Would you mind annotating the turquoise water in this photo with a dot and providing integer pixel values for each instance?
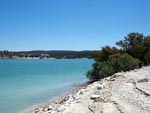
(24, 83)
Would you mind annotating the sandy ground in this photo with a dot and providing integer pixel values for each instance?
(124, 92)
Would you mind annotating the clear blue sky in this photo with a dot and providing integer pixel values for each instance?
(70, 24)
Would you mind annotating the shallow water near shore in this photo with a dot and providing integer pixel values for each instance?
(25, 83)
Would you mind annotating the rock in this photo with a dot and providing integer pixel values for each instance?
(112, 79)
(108, 78)
(36, 111)
(45, 109)
(80, 92)
(142, 80)
(104, 85)
(50, 108)
(77, 98)
(70, 99)
(110, 108)
(117, 74)
(61, 109)
(144, 88)
(94, 97)
(77, 101)
(135, 70)
(99, 87)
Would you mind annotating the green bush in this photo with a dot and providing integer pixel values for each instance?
(147, 58)
(94, 73)
(106, 69)
(115, 63)
(123, 62)
(101, 70)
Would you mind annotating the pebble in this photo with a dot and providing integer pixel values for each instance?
(94, 97)
(99, 87)
(50, 108)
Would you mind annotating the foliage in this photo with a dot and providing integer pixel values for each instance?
(106, 69)
(147, 50)
(115, 63)
(137, 45)
(96, 55)
(147, 58)
(103, 55)
(134, 51)
(123, 62)
(94, 73)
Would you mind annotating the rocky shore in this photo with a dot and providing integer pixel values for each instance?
(124, 92)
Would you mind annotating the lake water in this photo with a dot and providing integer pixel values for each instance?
(25, 83)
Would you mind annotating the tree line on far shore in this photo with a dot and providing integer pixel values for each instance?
(133, 52)
(41, 54)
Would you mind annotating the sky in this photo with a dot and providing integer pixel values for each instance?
(70, 24)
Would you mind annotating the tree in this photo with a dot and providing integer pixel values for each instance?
(134, 51)
(96, 55)
(137, 45)
(104, 54)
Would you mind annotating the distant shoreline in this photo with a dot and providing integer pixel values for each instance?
(42, 58)
(58, 54)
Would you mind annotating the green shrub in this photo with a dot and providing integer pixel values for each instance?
(147, 58)
(94, 73)
(106, 69)
(124, 62)
(115, 63)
